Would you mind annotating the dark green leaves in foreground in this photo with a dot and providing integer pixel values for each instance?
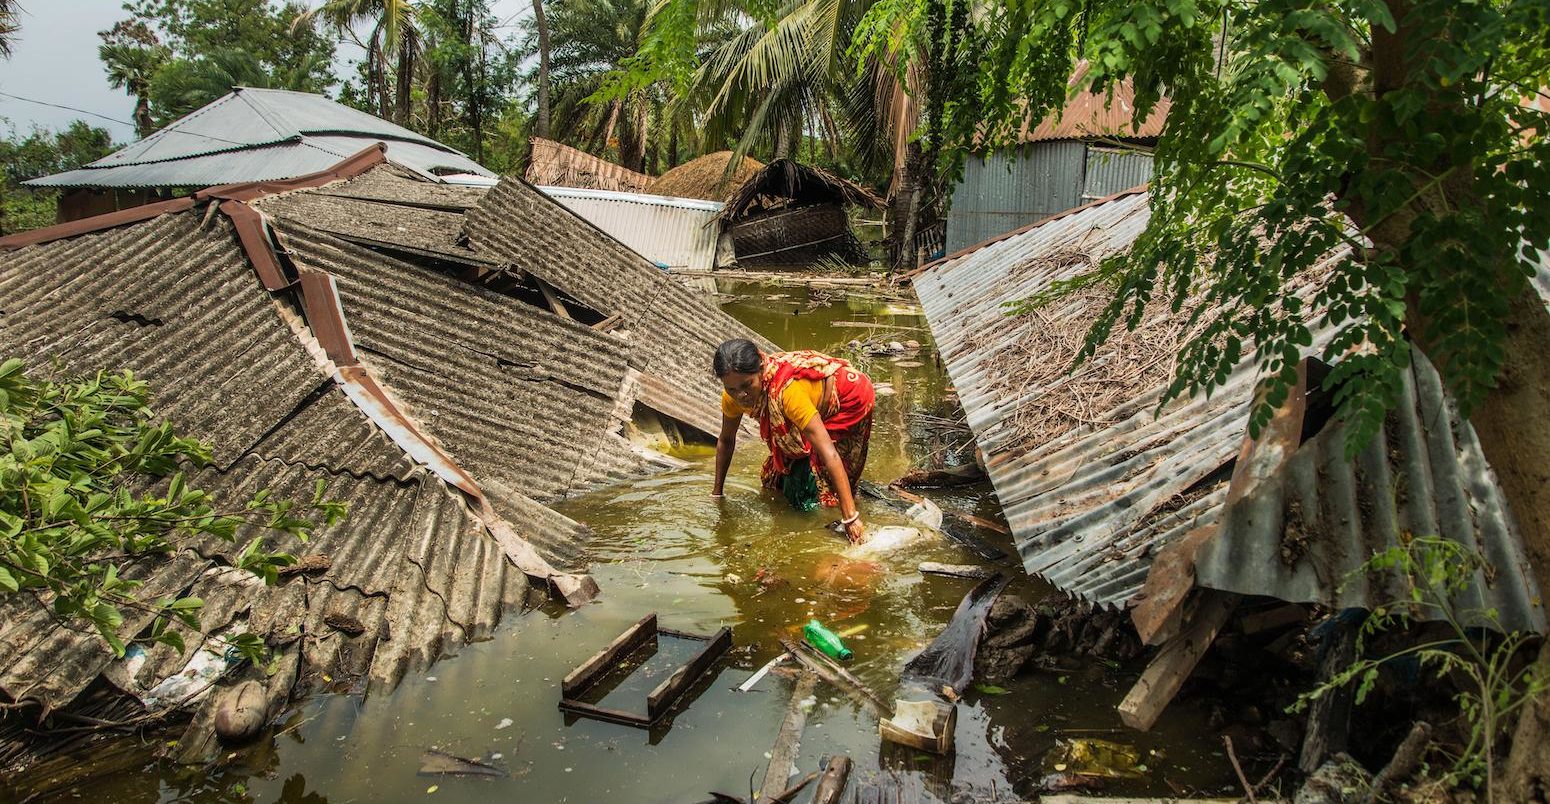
(93, 497)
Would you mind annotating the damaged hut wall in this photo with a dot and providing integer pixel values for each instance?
(1003, 191)
(1303, 534)
(670, 330)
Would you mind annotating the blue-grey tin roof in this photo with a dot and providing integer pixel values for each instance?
(261, 135)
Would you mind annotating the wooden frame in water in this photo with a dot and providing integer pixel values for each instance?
(616, 656)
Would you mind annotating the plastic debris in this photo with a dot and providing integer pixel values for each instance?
(1098, 758)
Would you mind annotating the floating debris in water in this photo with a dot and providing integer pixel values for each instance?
(505, 723)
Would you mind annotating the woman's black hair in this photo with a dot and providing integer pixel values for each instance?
(737, 355)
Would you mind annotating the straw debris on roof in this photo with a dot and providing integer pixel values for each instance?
(706, 177)
(559, 165)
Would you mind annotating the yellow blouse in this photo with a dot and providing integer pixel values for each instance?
(801, 399)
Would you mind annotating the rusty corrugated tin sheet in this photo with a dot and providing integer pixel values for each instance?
(1305, 528)
(1092, 499)
(671, 329)
(1097, 114)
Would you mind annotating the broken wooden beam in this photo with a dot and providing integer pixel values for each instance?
(1329, 716)
(669, 691)
(552, 298)
(831, 783)
(1176, 660)
(838, 676)
(788, 742)
(955, 570)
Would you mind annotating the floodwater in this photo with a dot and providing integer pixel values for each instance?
(747, 562)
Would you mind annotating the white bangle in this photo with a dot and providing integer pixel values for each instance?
(851, 518)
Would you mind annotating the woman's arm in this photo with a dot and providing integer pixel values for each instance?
(839, 481)
(726, 444)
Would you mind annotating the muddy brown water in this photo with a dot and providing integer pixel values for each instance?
(746, 562)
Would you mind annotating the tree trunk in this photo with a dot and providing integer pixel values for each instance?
(433, 100)
(904, 208)
(144, 125)
(403, 95)
(375, 80)
(541, 125)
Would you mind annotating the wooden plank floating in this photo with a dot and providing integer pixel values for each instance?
(661, 699)
(636, 635)
(955, 570)
(666, 693)
(788, 742)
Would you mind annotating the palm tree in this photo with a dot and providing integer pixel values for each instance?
(541, 125)
(392, 29)
(10, 23)
(133, 55)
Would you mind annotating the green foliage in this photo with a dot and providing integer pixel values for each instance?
(175, 56)
(40, 153)
(1296, 128)
(1493, 678)
(92, 490)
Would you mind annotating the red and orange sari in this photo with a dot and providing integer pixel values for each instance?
(845, 407)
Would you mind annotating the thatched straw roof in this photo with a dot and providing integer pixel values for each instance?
(559, 165)
(784, 183)
(705, 177)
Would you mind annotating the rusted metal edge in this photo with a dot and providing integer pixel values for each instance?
(352, 166)
(325, 315)
(96, 223)
(254, 234)
(909, 276)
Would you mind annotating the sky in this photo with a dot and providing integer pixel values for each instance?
(54, 60)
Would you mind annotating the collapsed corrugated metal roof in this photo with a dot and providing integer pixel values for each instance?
(1307, 519)
(671, 329)
(436, 393)
(1095, 479)
(256, 134)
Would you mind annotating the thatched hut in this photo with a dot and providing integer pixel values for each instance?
(706, 177)
(790, 214)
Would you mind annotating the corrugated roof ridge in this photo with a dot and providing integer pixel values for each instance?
(264, 113)
(967, 250)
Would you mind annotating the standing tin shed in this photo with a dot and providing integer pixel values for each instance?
(1084, 154)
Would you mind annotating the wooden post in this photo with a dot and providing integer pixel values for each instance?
(1329, 717)
(1176, 660)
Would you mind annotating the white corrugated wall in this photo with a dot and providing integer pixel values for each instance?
(675, 232)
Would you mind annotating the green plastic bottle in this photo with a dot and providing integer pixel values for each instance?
(825, 641)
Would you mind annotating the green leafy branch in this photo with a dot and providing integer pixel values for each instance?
(1494, 681)
(93, 497)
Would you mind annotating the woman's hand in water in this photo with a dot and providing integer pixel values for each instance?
(855, 531)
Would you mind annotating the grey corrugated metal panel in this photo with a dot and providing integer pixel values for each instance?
(176, 302)
(329, 433)
(1090, 492)
(1002, 191)
(428, 160)
(563, 539)
(524, 396)
(283, 160)
(417, 228)
(397, 185)
(675, 235)
(671, 328)
(50, 663)
(1110, 171)
(1423, 475)
(248, 117)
